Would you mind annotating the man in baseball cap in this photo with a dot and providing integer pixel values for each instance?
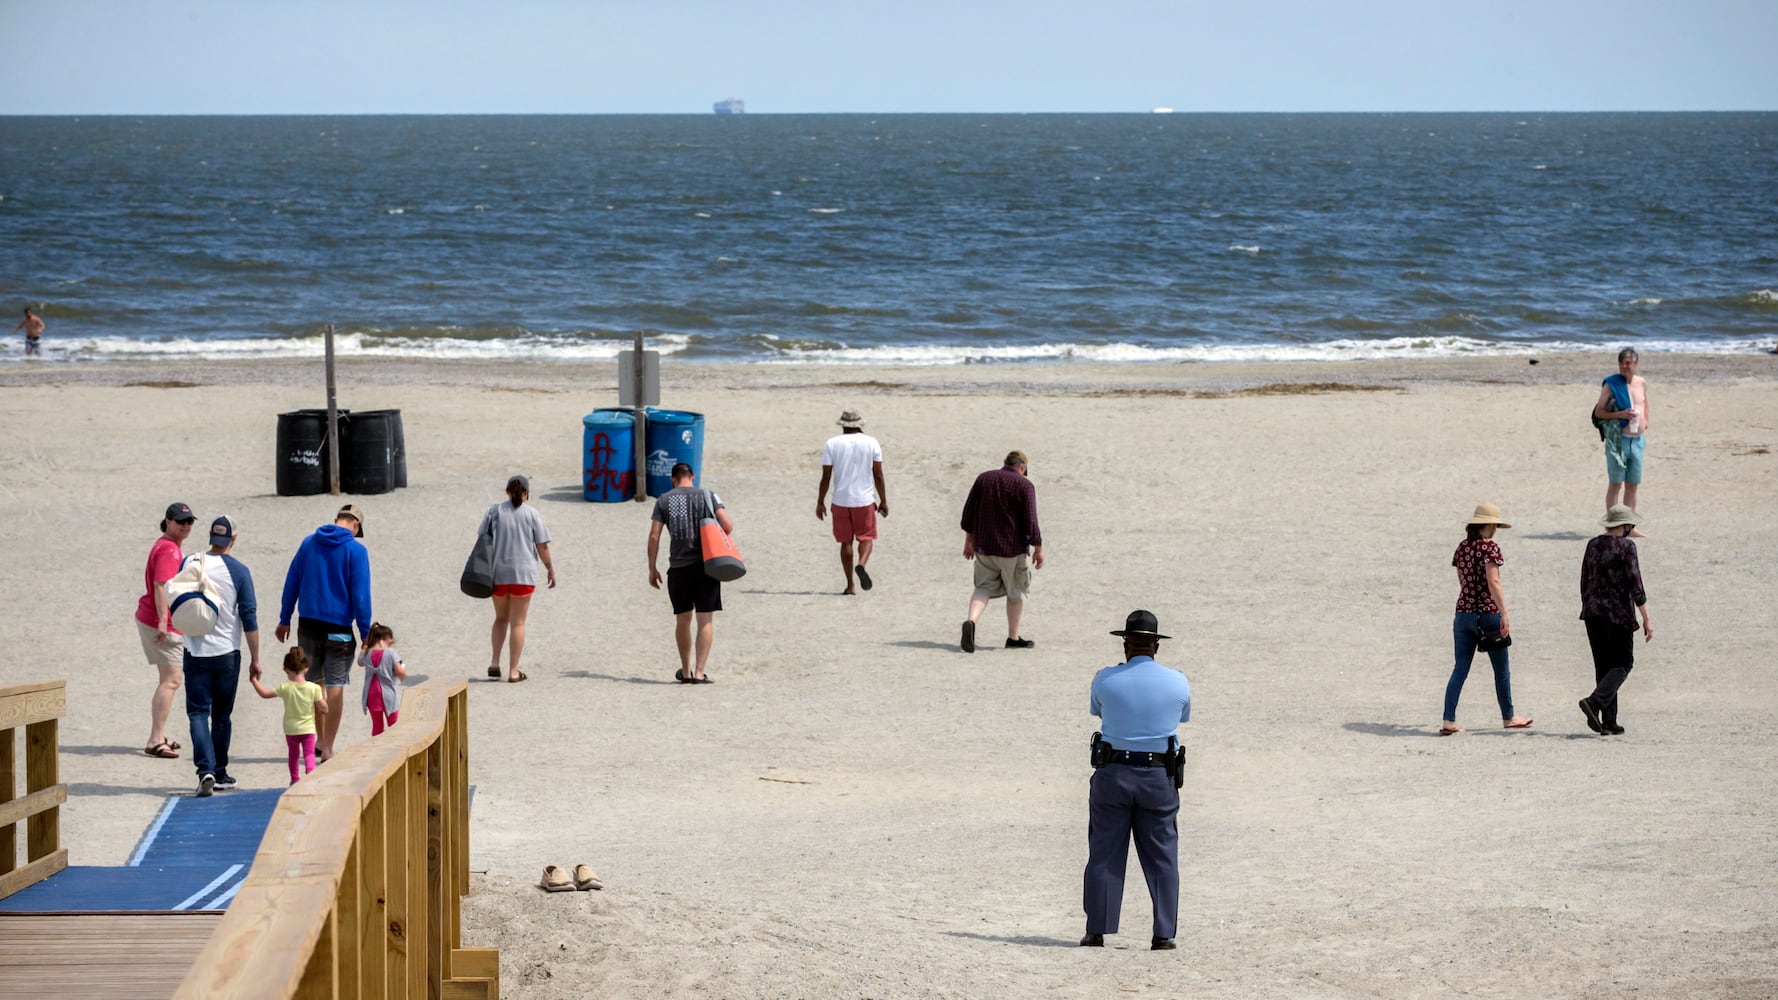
(329, 581)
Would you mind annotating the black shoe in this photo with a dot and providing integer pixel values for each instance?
(206, 782)
(225, 782)
(863, 578)
(1162, 944)
(968, 642)
(1592, 713)
(1093, 941)
(1612, 727)
(1012, 643)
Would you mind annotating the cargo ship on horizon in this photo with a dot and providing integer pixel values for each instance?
(731, 106)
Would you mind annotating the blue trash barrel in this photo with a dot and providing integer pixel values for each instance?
(674, 436)
(608, 456)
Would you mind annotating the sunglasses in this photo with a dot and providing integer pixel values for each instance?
(187, 520)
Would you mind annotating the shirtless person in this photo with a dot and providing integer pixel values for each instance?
(33, 327)
(1623, 406)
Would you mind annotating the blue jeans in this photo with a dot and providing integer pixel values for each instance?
(1466, 631)
(210, 684)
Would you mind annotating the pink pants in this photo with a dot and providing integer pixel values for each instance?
(301, 747)
(381, 720)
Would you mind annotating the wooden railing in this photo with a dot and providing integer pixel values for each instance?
(35, 708)
(357, 887)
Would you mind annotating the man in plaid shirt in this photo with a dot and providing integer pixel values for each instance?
(1000, 533)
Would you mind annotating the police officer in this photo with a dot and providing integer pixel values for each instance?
(1138, 765)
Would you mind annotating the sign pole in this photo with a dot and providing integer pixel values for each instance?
(640, 425)
(333, 423)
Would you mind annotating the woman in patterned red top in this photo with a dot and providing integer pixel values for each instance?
(1611, 596)
(1481, 607)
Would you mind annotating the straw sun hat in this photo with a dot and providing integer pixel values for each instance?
(1619, 516)
(1487, 513)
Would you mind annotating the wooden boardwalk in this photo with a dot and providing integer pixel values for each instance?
(100, 955)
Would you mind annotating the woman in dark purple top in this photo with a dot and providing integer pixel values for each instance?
(1611, 596)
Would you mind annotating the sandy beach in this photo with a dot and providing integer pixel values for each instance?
(857, 809)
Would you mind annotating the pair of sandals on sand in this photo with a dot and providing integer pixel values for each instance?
(1516, 722)
(494, 674)
(684, 678)
(165, 748)
(557, 880)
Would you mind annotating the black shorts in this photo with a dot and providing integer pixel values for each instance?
(691, 590)
(330, 660)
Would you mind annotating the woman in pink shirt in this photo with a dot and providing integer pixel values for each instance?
(163, 645)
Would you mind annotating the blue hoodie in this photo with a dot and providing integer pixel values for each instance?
(330, 577)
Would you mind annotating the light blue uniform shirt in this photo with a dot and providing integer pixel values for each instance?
(1141, 704)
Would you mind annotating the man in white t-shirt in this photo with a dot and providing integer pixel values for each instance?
(852, 461)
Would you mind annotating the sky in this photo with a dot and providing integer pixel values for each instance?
(69, 57)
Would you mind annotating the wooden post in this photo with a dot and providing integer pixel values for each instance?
(640, 425)
(9, 836)
(333, 423)
(43, 832)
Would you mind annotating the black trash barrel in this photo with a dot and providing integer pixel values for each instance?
(366, 453)
(302, 452)
(397, 445)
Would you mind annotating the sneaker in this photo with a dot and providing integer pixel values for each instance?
(1612, 727)
(1012, 643)
(968, 642)
(224, 781)
(206, 783)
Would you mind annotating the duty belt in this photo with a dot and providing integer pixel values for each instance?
(1138, 758)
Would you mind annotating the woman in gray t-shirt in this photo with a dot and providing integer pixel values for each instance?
(520, 542)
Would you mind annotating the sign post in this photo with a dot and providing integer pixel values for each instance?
(639, 385)
(333, 423)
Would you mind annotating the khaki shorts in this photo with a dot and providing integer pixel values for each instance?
(1003, 576)
(162, 654)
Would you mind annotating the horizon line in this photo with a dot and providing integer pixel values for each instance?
(1159, 111)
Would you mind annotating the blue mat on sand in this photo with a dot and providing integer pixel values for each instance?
(194, 856)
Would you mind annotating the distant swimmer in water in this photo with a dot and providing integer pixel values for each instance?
(33, 327)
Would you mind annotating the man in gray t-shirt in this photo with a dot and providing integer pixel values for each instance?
(681, 510)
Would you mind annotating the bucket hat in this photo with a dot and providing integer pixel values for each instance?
(1141, 623)
(1619, 516)
(1487, 513)
(850, 418)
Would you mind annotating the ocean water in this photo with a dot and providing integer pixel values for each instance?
(893, 239)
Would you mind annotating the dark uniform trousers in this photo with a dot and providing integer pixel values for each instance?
(1125, 802)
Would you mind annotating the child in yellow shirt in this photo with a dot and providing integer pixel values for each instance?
(302, 700)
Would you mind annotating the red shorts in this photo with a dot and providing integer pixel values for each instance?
(854, 522)
(513, 590)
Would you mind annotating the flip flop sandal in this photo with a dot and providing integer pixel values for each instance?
(494, 672)
(703, 680)
(161, 749)
(515, 678)
(679, 675)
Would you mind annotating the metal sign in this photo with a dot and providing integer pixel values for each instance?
(627, 378)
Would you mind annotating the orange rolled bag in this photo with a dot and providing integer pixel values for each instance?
(722, 561)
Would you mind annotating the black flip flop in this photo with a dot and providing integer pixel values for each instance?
(494, 672)
(863, 578)
(702, 680)
(679, 675)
